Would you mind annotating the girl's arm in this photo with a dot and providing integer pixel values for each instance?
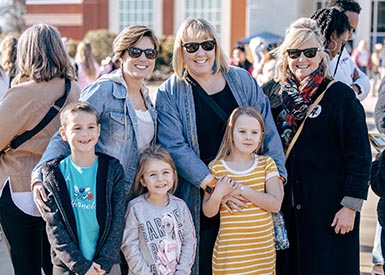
(211, 203)
(271, 200)
(189, 242)
(109, 254)
(131, 245)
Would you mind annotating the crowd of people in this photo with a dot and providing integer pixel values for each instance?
(189, 184)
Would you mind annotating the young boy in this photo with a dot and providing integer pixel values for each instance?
(86, 198)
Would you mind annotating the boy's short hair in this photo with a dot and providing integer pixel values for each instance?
(77, 106)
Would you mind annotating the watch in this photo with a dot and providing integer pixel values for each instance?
(211, 185)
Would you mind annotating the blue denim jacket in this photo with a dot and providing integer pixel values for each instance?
(118, 121)
(178, 134)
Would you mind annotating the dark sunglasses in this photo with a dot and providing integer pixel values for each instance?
(192, 47)
(136, 52)
(309, 52)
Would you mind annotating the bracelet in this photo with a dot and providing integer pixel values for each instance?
(211, 185)
(242, 188)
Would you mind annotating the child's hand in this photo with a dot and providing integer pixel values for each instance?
(99, 269)
(224, 186)
(94, 270)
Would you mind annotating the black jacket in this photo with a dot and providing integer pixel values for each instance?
(377, 182)
(61, 224)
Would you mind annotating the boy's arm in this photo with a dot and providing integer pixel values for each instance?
(131, 247)
(61, 242)
(109, 254)
(189, 243)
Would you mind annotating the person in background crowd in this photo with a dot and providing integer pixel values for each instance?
(126, 114)
(379, 239)
(267, 68)
(378, 186)
(342, 67)
(174, 251)
(362, 56)
(375, 69)
(381, 56)
(87, 189)
(8, 47)
(4, 83)
(193, 106)
(43, 67)
(109, 65)
(329, 163)
(239, 59)
(88, 68)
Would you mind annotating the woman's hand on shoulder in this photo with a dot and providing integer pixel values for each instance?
(40, 197)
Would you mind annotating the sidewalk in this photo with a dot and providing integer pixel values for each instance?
(369, 213)
(368, 216)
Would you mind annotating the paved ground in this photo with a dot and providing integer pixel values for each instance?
(368, 216)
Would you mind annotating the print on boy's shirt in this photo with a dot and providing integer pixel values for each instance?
(83, 197)
(165, 240)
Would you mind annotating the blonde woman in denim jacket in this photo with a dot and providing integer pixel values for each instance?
(191, 131)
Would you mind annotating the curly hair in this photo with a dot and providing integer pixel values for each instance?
(346, 5)
(8, 55)
(331, 20)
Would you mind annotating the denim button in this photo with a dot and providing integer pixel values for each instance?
(298, 207)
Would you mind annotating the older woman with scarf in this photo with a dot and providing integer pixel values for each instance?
(323, 130)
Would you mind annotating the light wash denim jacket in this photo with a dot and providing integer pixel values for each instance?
(177, 131)
(118, 121)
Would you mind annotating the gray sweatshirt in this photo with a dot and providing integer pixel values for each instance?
(159, 240)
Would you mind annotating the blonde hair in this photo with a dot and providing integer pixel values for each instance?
(227, 145)
(77, 106)
(129, 36)
(196, 28)
(155, 152)
(41, 55)
(8, 48)
(298, 33)
(85, 58)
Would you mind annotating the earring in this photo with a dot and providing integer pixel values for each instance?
(335, 45)
(183, 72)
(214, 67)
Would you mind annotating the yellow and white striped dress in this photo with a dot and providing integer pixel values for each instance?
(245, 241)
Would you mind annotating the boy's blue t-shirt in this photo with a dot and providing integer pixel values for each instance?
(81, 184)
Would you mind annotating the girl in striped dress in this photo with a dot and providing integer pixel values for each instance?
(245, 241)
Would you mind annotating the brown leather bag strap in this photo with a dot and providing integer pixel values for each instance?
(308, 112)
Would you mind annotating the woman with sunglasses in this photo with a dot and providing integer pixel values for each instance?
(126, 114)
(328, 162)
(193, 106)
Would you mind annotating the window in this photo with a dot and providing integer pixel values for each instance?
(209, 10)
(378, 22)
(136, 12)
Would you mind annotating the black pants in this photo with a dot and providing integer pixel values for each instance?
(208, 235)
(27, 238)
